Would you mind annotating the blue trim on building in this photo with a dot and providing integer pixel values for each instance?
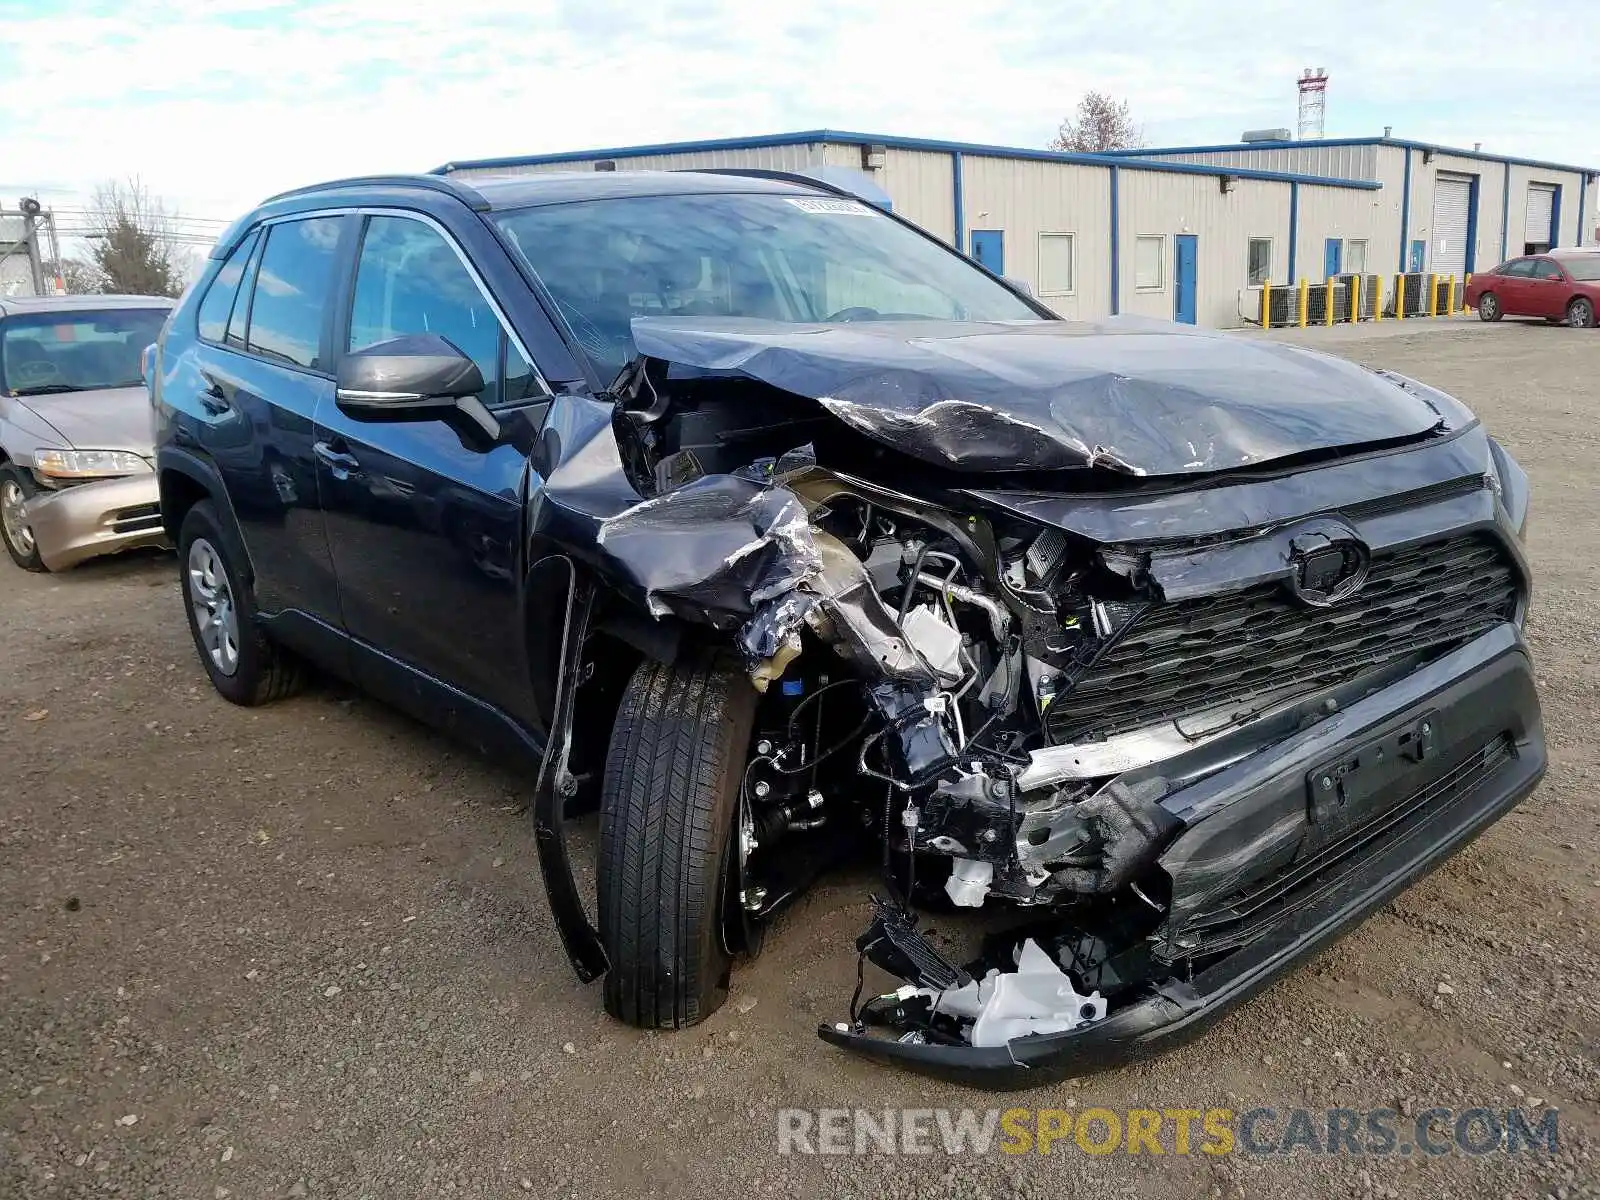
(1405, 209)
(845, 138)
(1583, 198)
(1116, 242)
(1356, 141)
(958, 194)
(1505, 216)
(1555, 218)
(1294, 227)
(1472, 224)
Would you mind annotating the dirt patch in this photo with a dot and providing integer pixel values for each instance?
(307, 949)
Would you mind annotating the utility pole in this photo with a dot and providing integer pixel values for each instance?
(30, 236)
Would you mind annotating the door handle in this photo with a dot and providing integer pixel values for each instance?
(341, 462)
(213, 399)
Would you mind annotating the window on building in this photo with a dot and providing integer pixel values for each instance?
(1057, 263)
(1355, 256)
(291, 291)
(1149, 264)
(1260, 261)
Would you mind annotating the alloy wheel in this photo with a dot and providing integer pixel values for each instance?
(1580, 315)
(211, 601)
(13, 514)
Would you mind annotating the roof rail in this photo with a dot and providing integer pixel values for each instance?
(462, 191)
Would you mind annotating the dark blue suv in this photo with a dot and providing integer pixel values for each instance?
(779, 532)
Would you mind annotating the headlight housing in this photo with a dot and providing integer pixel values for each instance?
(1512, 484)
(57, 467)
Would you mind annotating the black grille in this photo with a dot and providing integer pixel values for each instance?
(1239, 918)
(1197, 655)
(137, 518)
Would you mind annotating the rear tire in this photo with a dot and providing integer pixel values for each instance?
(1489, 307)
(245, 666)
(1580, 313)
(16, 489)
(676, 761)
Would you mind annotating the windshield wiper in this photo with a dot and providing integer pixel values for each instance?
(43, 389)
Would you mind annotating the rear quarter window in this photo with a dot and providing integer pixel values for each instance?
(218, 301)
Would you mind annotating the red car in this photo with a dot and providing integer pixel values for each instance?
(1559, 285)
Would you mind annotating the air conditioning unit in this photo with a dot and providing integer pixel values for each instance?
(1266, 135)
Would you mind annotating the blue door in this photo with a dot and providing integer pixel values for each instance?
(989, 248)
(1419, 249)
(1332, 257)
(1188, 251)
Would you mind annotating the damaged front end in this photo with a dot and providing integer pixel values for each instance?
(1178, 736)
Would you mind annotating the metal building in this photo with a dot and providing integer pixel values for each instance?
(1441, 209)
(1187, 235)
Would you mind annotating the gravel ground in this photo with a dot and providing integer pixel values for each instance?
(304, 951)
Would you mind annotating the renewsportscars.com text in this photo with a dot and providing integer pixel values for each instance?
(1179, 1131)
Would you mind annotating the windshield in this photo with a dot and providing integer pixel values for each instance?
(783, 258)
(1585, 269)
(77, 351)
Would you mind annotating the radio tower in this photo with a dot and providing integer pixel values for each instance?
(1313, 102)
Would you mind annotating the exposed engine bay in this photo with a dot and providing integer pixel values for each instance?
(1013, 697)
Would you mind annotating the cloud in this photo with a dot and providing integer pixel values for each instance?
(218, 105)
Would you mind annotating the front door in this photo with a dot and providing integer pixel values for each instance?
(1546, 289)
(1332, 257)
(989, 248)
(424, 518)
(1419, 252)
(1186, 258)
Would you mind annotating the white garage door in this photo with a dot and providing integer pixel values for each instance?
(1541, 207)
(1452, 211)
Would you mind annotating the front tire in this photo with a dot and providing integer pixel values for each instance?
(244, 665)
(1580, 313)
(16, 489)
(1489, 307)
(673, 772)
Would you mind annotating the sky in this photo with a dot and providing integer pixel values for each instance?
(216, 105)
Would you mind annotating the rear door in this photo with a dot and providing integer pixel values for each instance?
(260, 366)
(1547, 289)
(1512, 287)
(424, 519)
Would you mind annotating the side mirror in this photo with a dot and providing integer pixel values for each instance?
(419, 377)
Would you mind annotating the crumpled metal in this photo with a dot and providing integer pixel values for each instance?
(1134, 396)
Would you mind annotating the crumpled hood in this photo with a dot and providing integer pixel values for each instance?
(1137, 396)
(107, 419)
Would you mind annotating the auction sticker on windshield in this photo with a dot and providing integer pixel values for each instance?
(839, 208)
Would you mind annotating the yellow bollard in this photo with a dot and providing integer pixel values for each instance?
(1305, 295)
(1266, 305)
(1450, 299)
(1466, 281)
(1327, 317)
(1433, 295)
(1358, 284)
(1377, 308)
(1399, 297)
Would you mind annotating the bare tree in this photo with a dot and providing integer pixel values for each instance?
(132, 249)
(1100, 123)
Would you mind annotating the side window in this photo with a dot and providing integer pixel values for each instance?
(241, 306)
(291, 292)
(1543, 268)
(1520, 269)
(521, 382)
(409, 279)
(218, 301)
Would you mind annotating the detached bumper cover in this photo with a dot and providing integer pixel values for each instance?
(91, 519)
(1272, 867)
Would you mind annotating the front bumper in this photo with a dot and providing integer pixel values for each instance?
(1259, 811)
(91, 519)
